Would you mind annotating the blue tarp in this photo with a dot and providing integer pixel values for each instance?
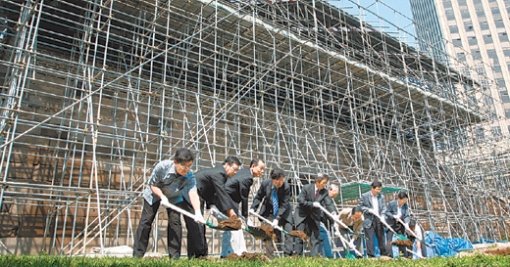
(445, 247)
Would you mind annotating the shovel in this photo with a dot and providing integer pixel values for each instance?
(344, 241)
(277, 227)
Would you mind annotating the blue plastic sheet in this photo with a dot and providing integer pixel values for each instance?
(445, 247)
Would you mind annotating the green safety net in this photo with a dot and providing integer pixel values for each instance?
(353, 191)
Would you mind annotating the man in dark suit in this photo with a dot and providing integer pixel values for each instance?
(397, 209)
(327, 224)
(274, 196)
(238, 188)
(308, 213)
(211, 189)
(372, 204)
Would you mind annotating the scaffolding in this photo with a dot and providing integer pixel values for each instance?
(94, 93)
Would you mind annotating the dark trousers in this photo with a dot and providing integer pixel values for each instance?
(197, 244)
(289, 241)
(376, 229)
(199, 248)
(399, 228)
(174, 230)
(311, 228)
(144, 228)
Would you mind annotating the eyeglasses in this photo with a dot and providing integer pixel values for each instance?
(235, 168)
(186, 165)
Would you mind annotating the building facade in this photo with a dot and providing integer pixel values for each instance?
(429, 35)
(476, 34)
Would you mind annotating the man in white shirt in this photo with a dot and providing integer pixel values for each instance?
(418, 239)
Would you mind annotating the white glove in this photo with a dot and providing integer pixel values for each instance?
(275, 223)
(165, 202)
(199, 218)
(249, 222)
(396, 217)
(316, 204)
(372, 211)
(213, 207)
(351, 243)
(250, 211)
(337, 231)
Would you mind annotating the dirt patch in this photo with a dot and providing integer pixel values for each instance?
(254, 256)
(257, 233)
(403, 243)
(497, 251)
(230, 224)
(268, 230)
(232, 256)
(248, 256)
(299, 234)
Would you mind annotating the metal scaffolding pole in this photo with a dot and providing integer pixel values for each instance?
(95, 93)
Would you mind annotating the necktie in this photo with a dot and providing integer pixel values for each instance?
(317, 194)
(274, 198)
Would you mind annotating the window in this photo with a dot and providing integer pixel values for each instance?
(506, 52)
(457, 42)
(484, 25)
(469, 27)
(479, 11)
(449, 14)
(500, 24)
(500, 83)
(504, 98)
(479, 134)
(496, 131)
(464, 13)
(476, 54)
(480, 69)
(507, 113)
(503, 95)
(495, 11)
(503, 37)
(461, 57)
(487, 39)
(491, 53)
(454, 29)
(472, 40)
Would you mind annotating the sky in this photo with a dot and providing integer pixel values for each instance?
(391, 16)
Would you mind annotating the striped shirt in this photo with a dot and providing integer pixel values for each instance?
(173, 185)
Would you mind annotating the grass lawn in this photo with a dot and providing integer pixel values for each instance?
(45, 261)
